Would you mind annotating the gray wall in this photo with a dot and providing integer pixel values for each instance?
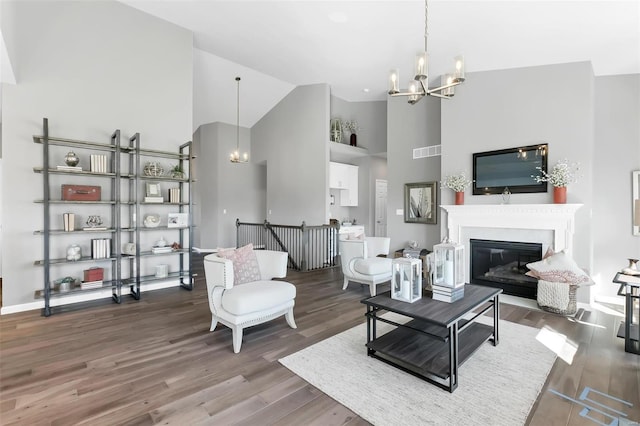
(524, 106)
(411, 127)
(293, 140)
(91, 68)
(227, 191)
(616, 155)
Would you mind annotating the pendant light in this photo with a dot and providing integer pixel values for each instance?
(235, 156)
(419, 85)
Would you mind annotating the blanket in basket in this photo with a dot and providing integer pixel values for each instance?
(553, 294)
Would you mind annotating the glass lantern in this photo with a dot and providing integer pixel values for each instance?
(406, 280)
(449, 264)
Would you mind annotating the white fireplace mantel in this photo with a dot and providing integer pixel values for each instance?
(559, 218)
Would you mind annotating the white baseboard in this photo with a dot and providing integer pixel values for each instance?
(78, 298)
(613, 300)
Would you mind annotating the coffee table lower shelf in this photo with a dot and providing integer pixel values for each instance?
(424, 355)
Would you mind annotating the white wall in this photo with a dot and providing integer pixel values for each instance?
(617, 154)
(525, 106)
(91, 68)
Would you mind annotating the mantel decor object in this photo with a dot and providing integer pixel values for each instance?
(457, 183)
(406, 281)
(560, 194)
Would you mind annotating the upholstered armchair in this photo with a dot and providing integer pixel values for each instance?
(360, 262)
(243, 305)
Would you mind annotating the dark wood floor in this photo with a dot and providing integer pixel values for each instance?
(155, 362)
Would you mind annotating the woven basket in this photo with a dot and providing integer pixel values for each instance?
(571, 308)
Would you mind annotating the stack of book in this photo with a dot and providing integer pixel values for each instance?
(154, 199)
(448, 294)
(69, 220)
(86, 285)
(100, 248)
(174, 195)
(158, 250)
(69, 168)
(98, 163)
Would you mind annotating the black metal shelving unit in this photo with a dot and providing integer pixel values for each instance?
(124, 201)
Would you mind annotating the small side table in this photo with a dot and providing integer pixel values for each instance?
(630, 330)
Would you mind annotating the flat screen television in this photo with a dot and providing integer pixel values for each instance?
(493, 171)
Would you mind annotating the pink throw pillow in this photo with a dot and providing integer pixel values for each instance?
(245, 264)
(548, 253)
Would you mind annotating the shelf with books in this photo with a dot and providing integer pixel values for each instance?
(119, 202)
(72, 185)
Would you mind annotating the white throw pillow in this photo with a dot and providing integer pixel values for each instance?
(559, 267)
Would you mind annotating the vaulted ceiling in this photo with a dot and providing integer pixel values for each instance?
(351, 45)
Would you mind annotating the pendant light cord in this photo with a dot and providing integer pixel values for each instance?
(238, 117)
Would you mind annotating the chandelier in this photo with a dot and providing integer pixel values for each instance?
(235, 155)
(419, 86)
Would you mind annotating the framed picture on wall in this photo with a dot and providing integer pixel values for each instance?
(421, 203)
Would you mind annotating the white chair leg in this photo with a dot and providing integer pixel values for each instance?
(214, 322)
(346, 283)
(289, 317)
(372, 288)
(237, 338)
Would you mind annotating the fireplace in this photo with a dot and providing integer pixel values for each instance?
(502, 264)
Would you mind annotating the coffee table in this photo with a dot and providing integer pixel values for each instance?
(438, 337)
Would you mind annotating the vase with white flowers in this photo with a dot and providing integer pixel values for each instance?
(561, 175)
(458, 183)
(352, 127)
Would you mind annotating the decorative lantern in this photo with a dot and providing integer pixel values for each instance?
(406, 280)
(449, 263)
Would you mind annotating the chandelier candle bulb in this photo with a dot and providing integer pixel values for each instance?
(447, 79)
(421, 65)
(459, 73)
(394, 76)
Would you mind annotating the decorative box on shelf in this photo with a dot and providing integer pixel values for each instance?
(406, 280)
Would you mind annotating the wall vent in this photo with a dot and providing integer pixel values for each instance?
(427, 151)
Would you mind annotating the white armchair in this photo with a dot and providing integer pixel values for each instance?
(244, 305)
(360, 264)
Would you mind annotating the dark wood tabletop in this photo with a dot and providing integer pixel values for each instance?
(440, 313)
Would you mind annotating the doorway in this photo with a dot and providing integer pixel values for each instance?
(381, 208)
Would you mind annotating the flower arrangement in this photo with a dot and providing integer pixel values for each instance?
(457, 183)
(351, 126)
(561, 175)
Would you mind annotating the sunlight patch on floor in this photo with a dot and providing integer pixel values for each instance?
(558, 343)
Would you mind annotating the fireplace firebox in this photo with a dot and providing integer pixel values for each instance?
(502, 264)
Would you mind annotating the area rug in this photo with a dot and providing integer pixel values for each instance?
(497, 385)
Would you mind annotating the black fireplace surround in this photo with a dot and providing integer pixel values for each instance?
(502, 264)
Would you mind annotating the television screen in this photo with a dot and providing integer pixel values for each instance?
(493, 171)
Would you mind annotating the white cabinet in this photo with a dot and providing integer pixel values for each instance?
(349, 197)
(338, 175)
(345, 178)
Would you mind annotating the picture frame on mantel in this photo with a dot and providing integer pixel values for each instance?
(421, 203)
(635, 203)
